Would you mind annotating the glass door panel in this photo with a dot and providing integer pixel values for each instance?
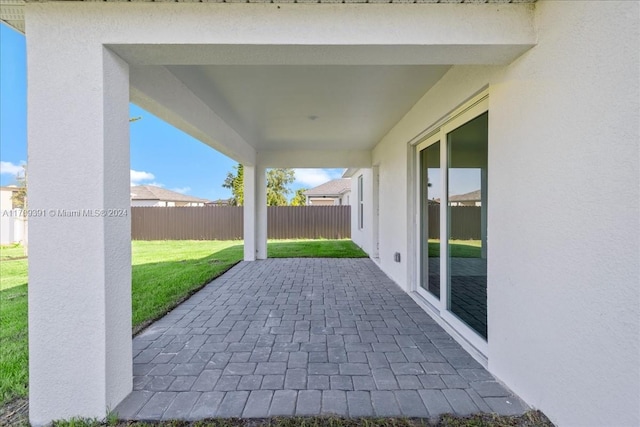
(467, 149)
(430, 184)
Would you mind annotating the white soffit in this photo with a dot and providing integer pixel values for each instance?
(12, 14)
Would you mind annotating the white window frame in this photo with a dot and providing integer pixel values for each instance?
(360, 202)
(432, 299)
(467, 112)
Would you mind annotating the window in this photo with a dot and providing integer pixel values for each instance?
(360, 203)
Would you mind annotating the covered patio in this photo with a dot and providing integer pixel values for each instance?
(367, 86)
(269, 85)
(305, 337)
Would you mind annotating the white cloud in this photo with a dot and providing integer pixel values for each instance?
(155, 184)
(139, 178)
(9, 168)
(181, 190)
(315, 177)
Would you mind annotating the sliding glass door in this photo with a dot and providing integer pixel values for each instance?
(466, 213)
(452, 183)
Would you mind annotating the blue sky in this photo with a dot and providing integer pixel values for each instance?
(160, 154)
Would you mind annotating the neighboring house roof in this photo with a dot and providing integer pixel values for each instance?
(151, 192)
(474, 196)
(219, 202)
(333, 188)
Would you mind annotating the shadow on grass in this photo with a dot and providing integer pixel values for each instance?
(159, 287)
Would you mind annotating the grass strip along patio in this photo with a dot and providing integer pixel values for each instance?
(530, 419)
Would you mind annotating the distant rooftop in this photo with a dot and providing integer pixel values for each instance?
(334, 187)
(473, 196)
(151, 192)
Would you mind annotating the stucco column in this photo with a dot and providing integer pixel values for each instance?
(249, 211)
(261, 210)
(80, 356)
(255, 213)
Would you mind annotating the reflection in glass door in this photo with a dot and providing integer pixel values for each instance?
(467, 149)
(430, 185)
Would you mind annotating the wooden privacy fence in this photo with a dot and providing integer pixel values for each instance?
(226, 222)
(464, 222)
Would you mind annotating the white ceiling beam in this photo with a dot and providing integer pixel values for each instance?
(158, 91)
(248, 33)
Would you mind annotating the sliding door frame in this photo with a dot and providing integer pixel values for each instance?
(439, 132)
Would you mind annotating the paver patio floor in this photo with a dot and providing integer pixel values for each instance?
(305, 337)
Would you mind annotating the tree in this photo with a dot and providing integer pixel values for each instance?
(278, 181)
(19, 197)
(235, 183)
(299, 199)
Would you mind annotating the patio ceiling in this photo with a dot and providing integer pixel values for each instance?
(296, 107)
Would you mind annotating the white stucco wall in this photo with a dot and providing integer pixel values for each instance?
(6, 221)
(342, 200)
(568, 275)
(319, 201)
(6, 201)
(346, 198)
(80, 354)
(564, 305)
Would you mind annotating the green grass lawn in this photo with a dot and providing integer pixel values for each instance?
(13, 323)
(13, 272)
(11, 252)
(457, 248)
(314, 249)
(164, 273)
(13, 340)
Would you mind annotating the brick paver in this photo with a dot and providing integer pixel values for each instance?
(305, 337)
